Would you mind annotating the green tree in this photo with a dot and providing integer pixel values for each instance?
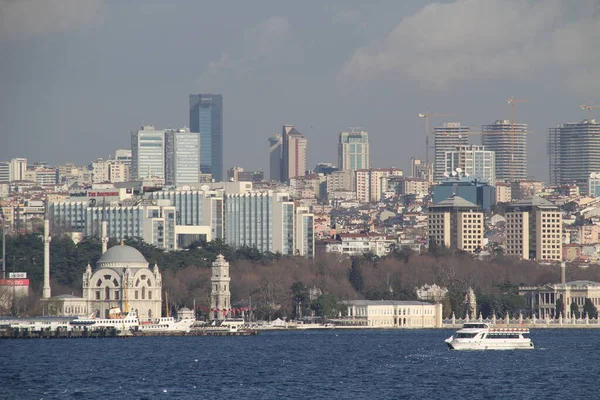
(560, 307)
(327, 306)
(355, 275)
(574, 310)
(300, 300)
(590, 309)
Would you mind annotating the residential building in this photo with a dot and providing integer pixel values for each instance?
(304, 235)
(123, 156)
(358, 244)
(182, 157)
(293, 153)
(340, 180)
(503, 192)
(353, 150)
(480, 193)
(118, 172)
(456, 223)
(525, 188)
(4, 172)
(275, 160)
(509, 143)
(392, 314)
(418, 169)
(474, 161)
(46, 176)
(18, 167)
(402, 186)
(534, 230)
(447, 138)
(148, 153)
(574, 150)
(206, 118)
(594, 184)
(237, 174)
(368, 183)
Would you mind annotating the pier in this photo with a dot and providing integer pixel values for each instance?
(113, 333)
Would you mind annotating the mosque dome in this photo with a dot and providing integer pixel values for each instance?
(122, 256)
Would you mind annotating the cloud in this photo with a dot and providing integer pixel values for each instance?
(344, 17)
(263, 45)
(26, 18)
(485, 39)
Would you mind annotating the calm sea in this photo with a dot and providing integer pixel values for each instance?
(339, 364)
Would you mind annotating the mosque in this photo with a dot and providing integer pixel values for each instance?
(122, 279)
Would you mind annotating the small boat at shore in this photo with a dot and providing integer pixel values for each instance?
(481, 336)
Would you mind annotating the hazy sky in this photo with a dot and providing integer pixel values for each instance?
(77, 76)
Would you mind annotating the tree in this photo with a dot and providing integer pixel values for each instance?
(574, 310)
(301, 300)
(560, 307)
(355, 276)
(327, 306)
(590, 309)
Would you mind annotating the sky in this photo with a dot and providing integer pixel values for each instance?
(77, 76)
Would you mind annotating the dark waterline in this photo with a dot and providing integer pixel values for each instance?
(347, 364)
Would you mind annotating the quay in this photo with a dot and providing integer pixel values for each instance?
(113, 333)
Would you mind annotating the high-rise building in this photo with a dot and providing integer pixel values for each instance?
(353, 150)
(456, 223)
(206, 118)
(574, 151)
(475, 161)
(368, 182)
(4, 172)
(148, 153)
(509, 143)
(447, 138)
(275, 153)
(534, 229)
(293, 153)
(182, 157)
(418, 169)
(18, 167)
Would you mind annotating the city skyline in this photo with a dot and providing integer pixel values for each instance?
(98, 50)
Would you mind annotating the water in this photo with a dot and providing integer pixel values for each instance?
(346, 364)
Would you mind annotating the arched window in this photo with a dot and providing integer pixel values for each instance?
(99, 282)
(149, 314)
(107, 293)
(143, 292)
(149, 294)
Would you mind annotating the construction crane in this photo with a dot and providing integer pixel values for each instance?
(427, 115)
(589, 107)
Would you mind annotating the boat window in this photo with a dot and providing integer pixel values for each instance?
(465, 335)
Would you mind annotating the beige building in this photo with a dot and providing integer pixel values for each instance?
(526, 188)
(503, 193)
(588, 234)
(541, 300)
(393, 314)
(456, 223)
(534, 230)
(293, 154)
(369, 185)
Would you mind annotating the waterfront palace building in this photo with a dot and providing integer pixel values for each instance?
(122, 279)
(392, 314)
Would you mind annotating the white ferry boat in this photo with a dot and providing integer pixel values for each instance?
(480, 336)
(166, 324)
(116, 320)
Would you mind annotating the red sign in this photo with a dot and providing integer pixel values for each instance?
(14, 282)
(102, 194)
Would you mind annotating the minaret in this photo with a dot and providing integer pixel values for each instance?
(104, 236)
(220, 296)
(46, 290)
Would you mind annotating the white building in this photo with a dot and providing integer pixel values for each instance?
(18, 168)
(447, 138)
(275, 143)
(369, 183)
(353, 150)
(475, 161)
(122, 279)
(358, 244)
(148, 153)
(4, 172)
(393, 314)
(182, 160)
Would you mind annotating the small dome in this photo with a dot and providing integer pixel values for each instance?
(122, 255)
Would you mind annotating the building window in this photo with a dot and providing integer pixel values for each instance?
(97, 295)
(107, 293)
(136, 294)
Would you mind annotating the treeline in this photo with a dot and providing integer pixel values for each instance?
(288, 287)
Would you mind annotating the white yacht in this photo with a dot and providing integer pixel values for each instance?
(480, 336)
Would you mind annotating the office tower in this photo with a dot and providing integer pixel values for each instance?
(304, 238)
(353, 150)
(182, 157)
(293, 153)
(474, 161)
(510, 148)
(123, 156)
(447, 138)
(206, 118)
(456, 223)
(46, 176)
(147, 153)
(275, 160)
(534, 230)
(18, 167)
(574, 151)
(4, 172)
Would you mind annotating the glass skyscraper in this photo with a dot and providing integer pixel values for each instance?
(206, 118)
